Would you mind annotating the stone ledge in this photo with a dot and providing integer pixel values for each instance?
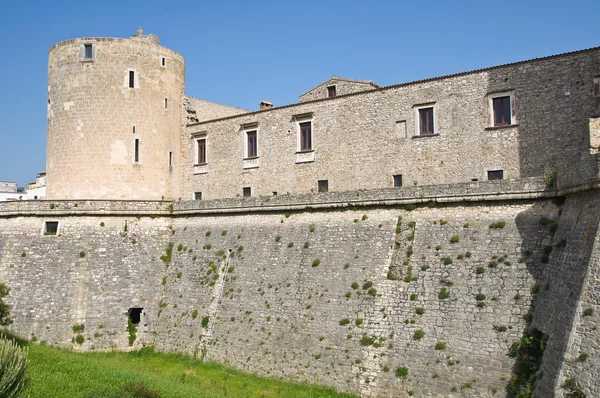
(526, 188)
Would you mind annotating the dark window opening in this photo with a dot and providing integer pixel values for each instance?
(163, 61)
(197, 195)
(131, 79)
(88, 51)
(252, 144)
(398, 180)
(306, 136)
(201, 151)
(426, 121)
(166, 103)
(133, 129)
(323, 186)
(274, 193)
(247, 192)
(495, 174)
(135, 315)
(51, 228)
(136, 156)
(501, 107)
(331, 91)
(170, 159)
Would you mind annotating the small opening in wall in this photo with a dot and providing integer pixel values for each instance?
(131, 79)
(274, 193)
(197, 195)
(331, 91)
(170, 159)
(88, 51)
(474, 179)
(133, 130)
(323, 186)
(495, 175)
(137, 151)
(166, 104)
(398, 180)
(247, 192)
(50, 227)
(135, 315)
(163, 62)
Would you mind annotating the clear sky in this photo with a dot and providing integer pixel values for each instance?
(241, 52)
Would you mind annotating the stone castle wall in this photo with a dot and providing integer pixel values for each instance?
(280, 309)
(343, 86)
(92, 114)
(362, 140)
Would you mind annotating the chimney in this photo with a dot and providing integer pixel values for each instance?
(265, 105)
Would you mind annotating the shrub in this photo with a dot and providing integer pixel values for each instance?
(287, 214)
(440, 345)
(402, 371)
(424, 267)
(77, 328)
(358, 321)
(277, 238)
(500, 328)
(354, 285)
(419, 310)
(443, 294)
(79, 339)
(455, 239)
(367, 341)
(140, 390)
(447, 260)
(413, 297)
(316, 263)
(468, 254)
(418, 334)
(438, 248)
(498, 224)
(102, 224)
(291, 244)
(480, 270)
(81, 254)
(224, 232)
(588, 312)
(492, 264)
(443, 222)
(306, 244)
(344, 321)
(372, 291)
(194, 314)
(205, 320)
(13, 363)
(480, 297)
(367, 284)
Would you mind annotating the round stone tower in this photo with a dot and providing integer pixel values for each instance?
(114, 119)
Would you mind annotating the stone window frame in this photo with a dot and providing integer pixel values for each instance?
(417, 111)
(322, 186)
(334, 86)
(250, 162)
(44, 231)
(197, 138)
(195, 197)
(491, 114)
(82, 52)
(396, 178)
(136, 80)
(246, 192)
(487, 171)
(305, 156)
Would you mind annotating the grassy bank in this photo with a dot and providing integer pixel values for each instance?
(61, 373)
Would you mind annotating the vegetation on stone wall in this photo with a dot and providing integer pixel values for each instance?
(528, 353)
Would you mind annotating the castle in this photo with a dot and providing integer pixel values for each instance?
(424, 226)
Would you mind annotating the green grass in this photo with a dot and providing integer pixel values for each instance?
(60, 373)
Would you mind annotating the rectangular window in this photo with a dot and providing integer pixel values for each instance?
(170, 159)
(323, 186)
(501, 109)
(166, 103)
(136, 155)
(163, 62)
(252, 144)
(201, 151)
(331, 91)
(131, 79)
(50, 227)
(426, 121)
(495, 175)
(398, 180)
(197, 195)
(246, 192)
(597, 96)
(306, 136)
(88, 53)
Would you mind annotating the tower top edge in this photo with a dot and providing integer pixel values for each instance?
(146, 40)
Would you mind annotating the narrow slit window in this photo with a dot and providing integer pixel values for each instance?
(131, 79)
(246, 192)
(166, 103)
(133, 129)
(136, 156)
(163, 62)
(323, 186)
(170, 159)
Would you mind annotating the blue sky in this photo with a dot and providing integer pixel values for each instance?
(240, 52)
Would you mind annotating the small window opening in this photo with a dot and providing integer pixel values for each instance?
(166, 103)
(88, 51)
(50, 227)
(331, 91)
(135, 315)
(247, 192)
(398, 181)
(495, 175)
(133, 129)
(197, 195)
(163, 62)
(137, 151)
(323, 186)
(274, 193)
(131, 79)
(170, 159)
